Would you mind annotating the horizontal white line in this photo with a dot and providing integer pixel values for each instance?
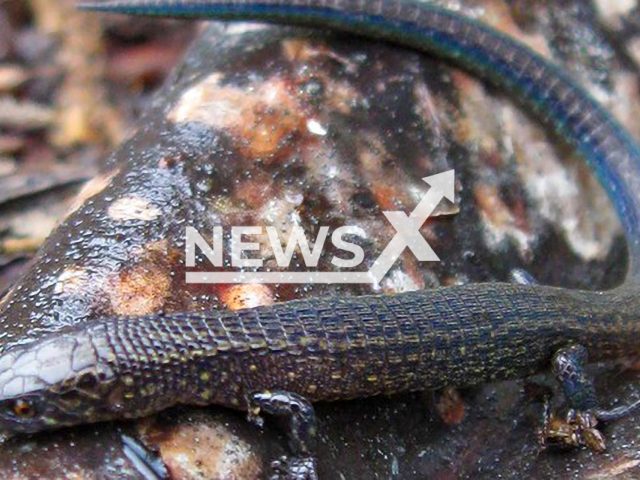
(279, 277)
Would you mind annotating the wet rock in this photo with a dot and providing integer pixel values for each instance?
(277, 127)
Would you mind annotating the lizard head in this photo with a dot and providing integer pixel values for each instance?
(57, 381)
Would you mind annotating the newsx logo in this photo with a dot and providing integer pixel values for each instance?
(407, 236)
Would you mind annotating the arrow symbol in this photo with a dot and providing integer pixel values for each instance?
(442, 185)
(408, 226)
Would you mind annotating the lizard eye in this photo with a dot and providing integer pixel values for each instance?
(88, 381)
(23, 409)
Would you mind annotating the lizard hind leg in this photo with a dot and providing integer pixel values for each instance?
(568, 366)
(579, 426)
(302, 432)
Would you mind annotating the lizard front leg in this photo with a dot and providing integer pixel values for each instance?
(301, 431)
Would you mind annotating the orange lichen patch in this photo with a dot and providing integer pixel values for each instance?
(208, 451)
(133, 208)
(144, 288)
(71, 280)
(298, 50)
(167, 163)
(247, 296)
(450, 406)
(268, 130)
(500, 17)
(474, 126)
(387, 190)
(91, 189)
(139, 291)
(499, 221)
(342, 96)
(256, 191)
(494, 210)
(385, 195)
(260, 117)
(372, 154)
(339, 96)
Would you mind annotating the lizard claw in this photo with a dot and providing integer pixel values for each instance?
(294, 468)
(576, 429)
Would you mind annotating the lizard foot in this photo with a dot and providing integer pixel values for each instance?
(579, 427)
(294, 468)
(575, 429)
(301, 431)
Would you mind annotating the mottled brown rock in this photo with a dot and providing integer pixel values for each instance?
(199, 445)
(281, 126)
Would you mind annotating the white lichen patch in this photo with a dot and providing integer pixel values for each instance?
(566, 194)
(624, 103)
(612, 11)
(578, 206)
(241, 28)
(400, 281)
(133, 208)
(190, 105)
(71, 280)
(558, 190)
(316, 128)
